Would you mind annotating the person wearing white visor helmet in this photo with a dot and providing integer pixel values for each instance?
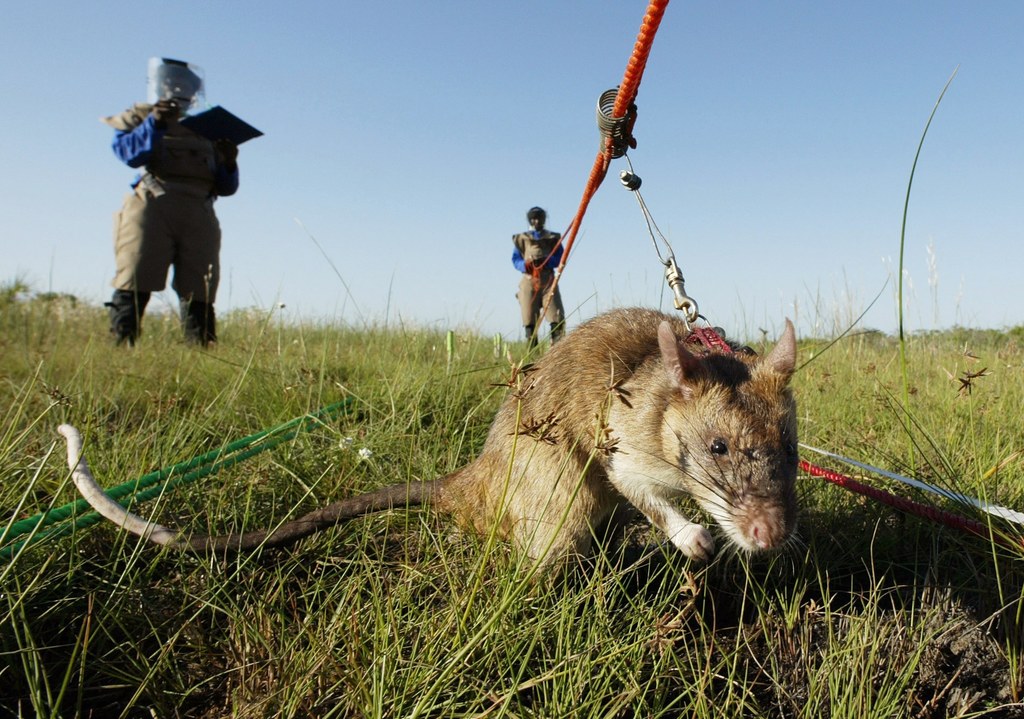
(168, 220)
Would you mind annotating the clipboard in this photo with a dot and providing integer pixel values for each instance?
(219, 124)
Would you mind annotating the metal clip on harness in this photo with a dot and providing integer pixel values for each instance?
(616, 135)
(683, 302)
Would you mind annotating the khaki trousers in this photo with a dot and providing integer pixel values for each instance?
(530, 302)
(176, 229)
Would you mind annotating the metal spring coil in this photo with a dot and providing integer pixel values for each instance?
(614, 128)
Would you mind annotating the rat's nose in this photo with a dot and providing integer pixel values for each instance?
(765, 531)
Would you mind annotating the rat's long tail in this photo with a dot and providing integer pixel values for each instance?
(398, 495)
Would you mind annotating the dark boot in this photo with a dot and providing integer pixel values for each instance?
(531, 337)
(557, 329)
(198, 322)
(126, 310)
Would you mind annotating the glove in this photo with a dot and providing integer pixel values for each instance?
(227, 153)
(164, 112)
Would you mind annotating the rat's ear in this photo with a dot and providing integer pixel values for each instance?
(782, 358)
(680, 366)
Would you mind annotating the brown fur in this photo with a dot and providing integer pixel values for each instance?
(610, 395)
(620, 412)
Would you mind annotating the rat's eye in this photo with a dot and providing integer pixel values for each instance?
(718, 446)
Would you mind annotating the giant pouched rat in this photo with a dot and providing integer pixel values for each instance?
(619, 412)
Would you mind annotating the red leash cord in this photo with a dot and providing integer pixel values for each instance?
(939, 516)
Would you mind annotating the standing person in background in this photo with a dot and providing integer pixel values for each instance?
(168, 219)
(537, 253)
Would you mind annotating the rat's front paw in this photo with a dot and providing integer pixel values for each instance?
(695, 541)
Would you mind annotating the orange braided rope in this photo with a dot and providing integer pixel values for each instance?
(625, 97)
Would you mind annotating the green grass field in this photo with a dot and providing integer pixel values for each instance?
(870, 613)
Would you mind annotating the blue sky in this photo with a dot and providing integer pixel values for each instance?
(409, 139)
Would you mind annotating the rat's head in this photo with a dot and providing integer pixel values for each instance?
(730, 427)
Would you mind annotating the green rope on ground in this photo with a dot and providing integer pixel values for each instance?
(155, 483)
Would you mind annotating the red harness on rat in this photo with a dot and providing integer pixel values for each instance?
(709, 338)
